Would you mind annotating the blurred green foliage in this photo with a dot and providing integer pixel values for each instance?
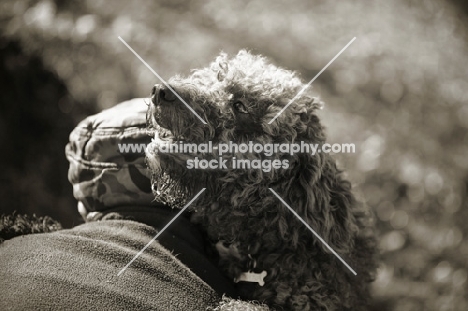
(398, 92)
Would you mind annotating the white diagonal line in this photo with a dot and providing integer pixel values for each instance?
(159, 233)
(162, 80)
(308, 84)
(318, 236)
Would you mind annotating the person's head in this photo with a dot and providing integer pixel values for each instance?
(107, 159)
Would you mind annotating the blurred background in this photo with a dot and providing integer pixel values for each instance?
(399, 92)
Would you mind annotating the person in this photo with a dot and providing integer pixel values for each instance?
(77, 268)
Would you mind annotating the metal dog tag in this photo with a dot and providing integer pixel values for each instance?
(252, 277)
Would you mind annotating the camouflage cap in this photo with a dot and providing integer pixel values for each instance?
(107, 159)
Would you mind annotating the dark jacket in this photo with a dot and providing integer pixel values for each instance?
(77, 269)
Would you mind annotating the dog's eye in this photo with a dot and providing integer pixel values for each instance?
(240, 107)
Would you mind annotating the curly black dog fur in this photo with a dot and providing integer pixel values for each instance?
(237, 98)
(16, 225)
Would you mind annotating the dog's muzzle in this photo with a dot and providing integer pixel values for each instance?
(162, 94)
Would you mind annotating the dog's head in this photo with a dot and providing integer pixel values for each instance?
(237, 98)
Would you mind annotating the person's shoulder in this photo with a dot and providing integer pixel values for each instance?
(85, 261)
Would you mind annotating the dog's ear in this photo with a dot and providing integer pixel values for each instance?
(324, 200)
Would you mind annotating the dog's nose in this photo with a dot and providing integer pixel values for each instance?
(154, 91)
(166, 94)
(162, 93)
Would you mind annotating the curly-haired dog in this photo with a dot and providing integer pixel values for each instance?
(253, 231)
